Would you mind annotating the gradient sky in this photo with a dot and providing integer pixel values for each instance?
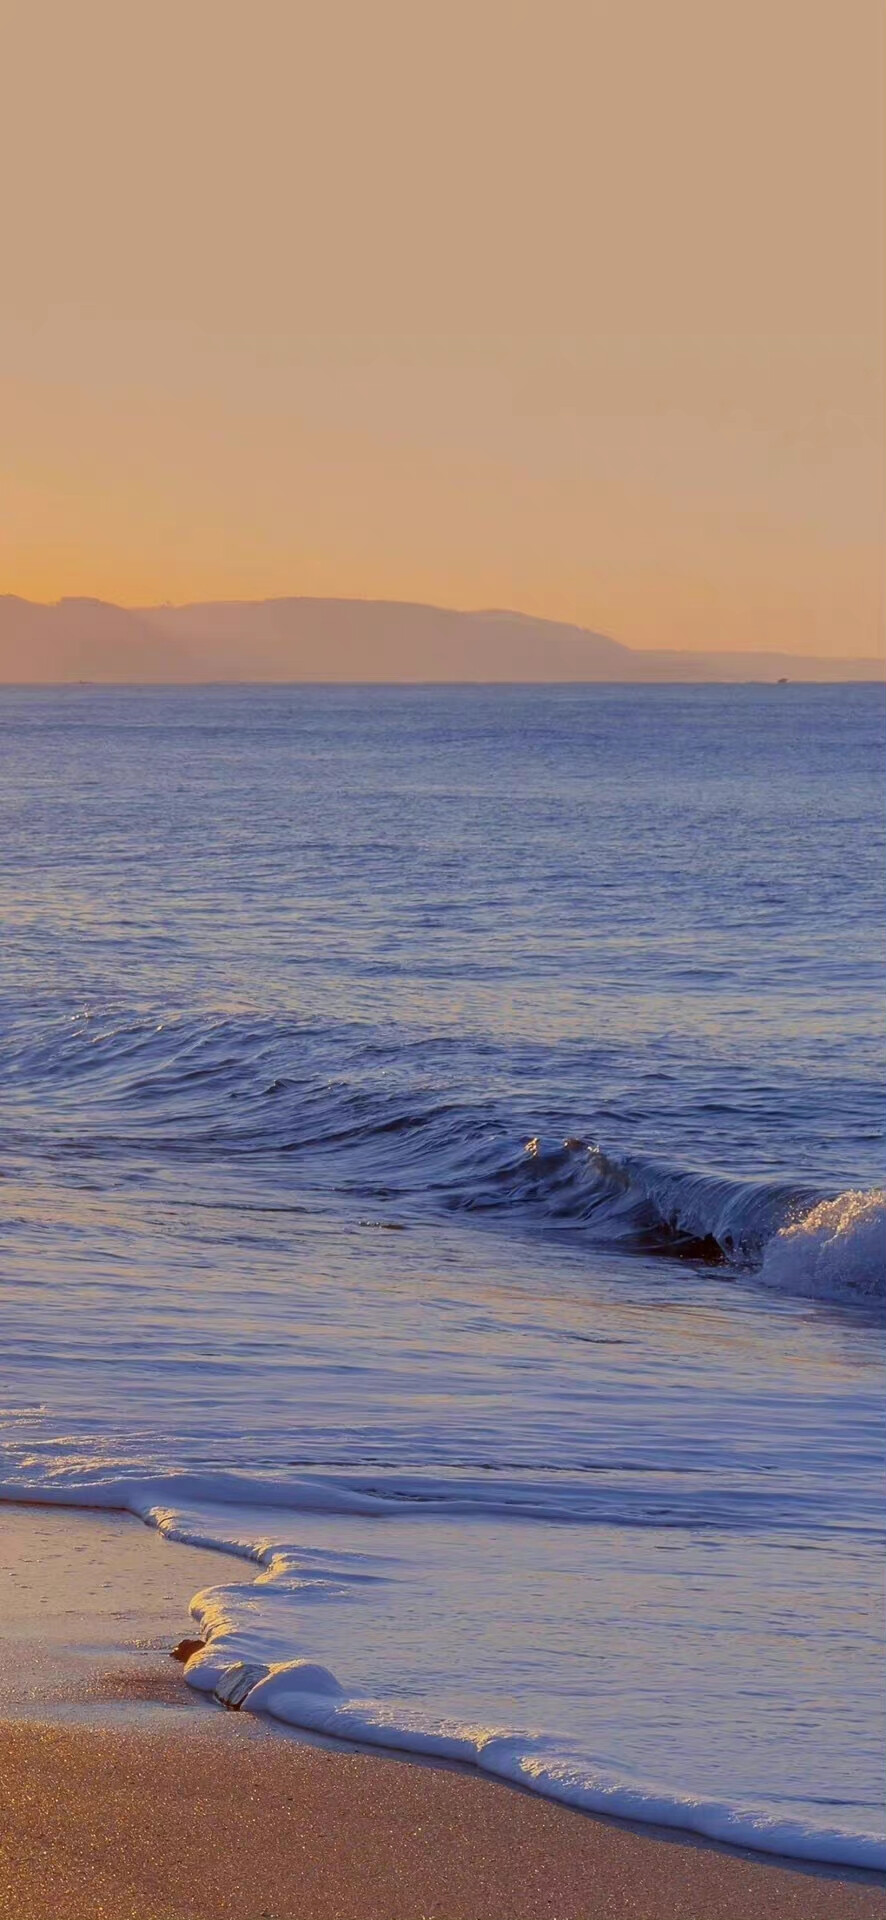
(576, 308)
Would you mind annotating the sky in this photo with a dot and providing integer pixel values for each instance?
(575, 308)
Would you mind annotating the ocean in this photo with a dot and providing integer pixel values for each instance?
(442, 1166)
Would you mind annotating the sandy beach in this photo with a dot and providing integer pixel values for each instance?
(125, 1798)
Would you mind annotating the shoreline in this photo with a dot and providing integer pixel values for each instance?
(148, 1800)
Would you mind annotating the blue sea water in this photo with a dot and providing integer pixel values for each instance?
(442, 1162)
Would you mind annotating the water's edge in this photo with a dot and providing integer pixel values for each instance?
(304, 1695)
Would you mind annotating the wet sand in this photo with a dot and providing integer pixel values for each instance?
(124, 1798)
(90, 1604)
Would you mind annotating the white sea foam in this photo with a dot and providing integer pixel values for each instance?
(303, 1694)
(835, 1251)
(371, 1590)
(633, 1436)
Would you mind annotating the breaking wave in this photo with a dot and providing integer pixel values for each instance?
(321, 1106)
(837, 1249)
(793, 1239)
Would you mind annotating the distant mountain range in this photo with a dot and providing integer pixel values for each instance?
(350, 640)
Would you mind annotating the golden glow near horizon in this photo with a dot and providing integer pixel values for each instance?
(573, 307)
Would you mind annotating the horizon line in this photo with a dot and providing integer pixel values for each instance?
(429, 686)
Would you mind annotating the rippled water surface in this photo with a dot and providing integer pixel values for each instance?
(442, 1156)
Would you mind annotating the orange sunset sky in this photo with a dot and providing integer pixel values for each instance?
(576, 308)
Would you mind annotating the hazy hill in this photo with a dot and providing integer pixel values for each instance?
(349, 640)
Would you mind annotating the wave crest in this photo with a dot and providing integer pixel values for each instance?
(792, 1239)
(836, 1250)
(300, 1101)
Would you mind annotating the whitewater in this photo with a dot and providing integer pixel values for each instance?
(442, 1168)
